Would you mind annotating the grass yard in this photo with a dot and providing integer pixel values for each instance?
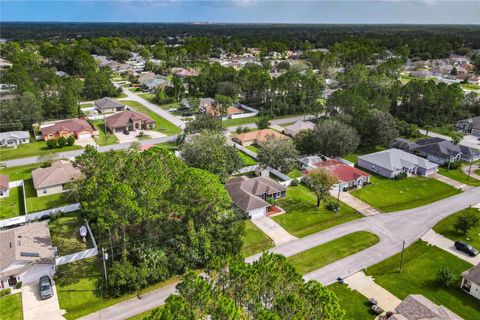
(390, 195)
(104, 137)
(477, 171)
(161, 124)
(12, 206)
(19, 172)
(121, 96)
(353, 157)
(11, 307)
(331, 251)
(303, 217)
(65, 235)
(445, 228)
(470, 86)
(142, 315)
(356, 306)
(242, 121)
(252, 148)
(294, 174)
(35, 203)
(418, 276)
(32, 149)
(247, 160)
(147, 96)
(459, 175)
(254, 240)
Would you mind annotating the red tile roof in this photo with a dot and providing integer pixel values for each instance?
(342, 171)
(71, 125)
(3, 182)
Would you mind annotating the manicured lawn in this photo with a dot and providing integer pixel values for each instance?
(390, 195)
(254, 240)
(35, 203)
(161, 124)
(169, 145)
(470, 86)
(142, 315)
(77, 288)
(242, 121)
(294, 174)
(19, 172)
(104, 137)
(32, 149)
(64, 232)
(332, 251)
(12, 205)
(356, 306)
(11, 307)
(121, 96)
(457, 174)
(477, 171)
(252, 148)
(353, 157)
(147, 96)
(247, 160)
(303, 217)
(445, 227)
(420, 264)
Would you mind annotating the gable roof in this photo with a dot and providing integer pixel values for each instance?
(14, 134)
(107, 103)
(395, 159)
(3, 182)
(475, 121)
(59, 173)
(259, 135)
(341, 171)
(71, 125)
(442, 148)
(417, 307)
(473, 274)
(121, 119)
(299, 126)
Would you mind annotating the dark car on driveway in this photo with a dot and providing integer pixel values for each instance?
(126, 132)
(46, 290)
(465, 247)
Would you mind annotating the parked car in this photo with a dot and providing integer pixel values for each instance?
(465, 247)
(187, 114)
(172, 110)
(126, 132)
(46, 290)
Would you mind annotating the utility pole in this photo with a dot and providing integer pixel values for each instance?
(470, 168)
(338, 196)
(104, 257)
(401, 256)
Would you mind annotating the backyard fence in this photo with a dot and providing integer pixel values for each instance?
(243, 149)
(81, 254)
(37, 215)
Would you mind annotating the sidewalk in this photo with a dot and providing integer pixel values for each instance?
(273, 230)
(454, 183)
(357, 204)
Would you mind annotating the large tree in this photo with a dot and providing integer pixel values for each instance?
(320, 181)
(277, 153)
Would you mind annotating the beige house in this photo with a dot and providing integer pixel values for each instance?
(109, 105)
(294, 129)
(54, 179)
(471, 281)
(129, 120)
(417, 307)
(257, 136)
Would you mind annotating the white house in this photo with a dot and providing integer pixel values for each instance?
(471, 281)
(14, 138)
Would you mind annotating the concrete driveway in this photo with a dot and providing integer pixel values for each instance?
(35, 308)
(273, 230)
(125, 138)
(357, 204)
(454, 183)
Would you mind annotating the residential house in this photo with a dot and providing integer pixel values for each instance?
(144, 76)
(14, 138)
(392, 162)
(310, 161)
(27, 254)
(251, 194)
(108, 105)
(184, 72)
(151, 85)
(4, 186)
(471, 281)
(129, 120)
(346, 175)
(214, 111)
(54, 179)
(294, 129)
(417, 307)
(79, 128)
(257, 136)
(470, 126)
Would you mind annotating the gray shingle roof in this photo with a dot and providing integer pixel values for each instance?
(417, 307)
(473, 274)
(394, 159)
(107, 103)
(14, 134)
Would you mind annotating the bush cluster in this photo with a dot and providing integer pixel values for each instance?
(60, 142)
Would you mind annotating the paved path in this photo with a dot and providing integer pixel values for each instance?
(35, 308)
(446, 244)
(163, 113)
(454, 183)
(273, 230)
(357, 204)
(367, 287)
(466, 169)
(466, 140)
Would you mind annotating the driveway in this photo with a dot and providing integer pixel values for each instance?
(471, 170)
(468, 140)
(273, 230)
(357, 204)
(126, 138)
(85, 142)
(34, 308)
(454, 183)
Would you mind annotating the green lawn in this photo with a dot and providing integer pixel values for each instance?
(104, 137)
(242, 121)
(12, 206)
(19, 172)
(477, 171)
(77, 288)
(65, 235)
(147, 96)
(331, 251)
(459, 175)
(35, 203)
(252, 148)
(247, 160)
(390, 195)
(470, 86)
(11, 307)
(142, 315)
(353, 157)
(418, 276)
(37, 148)
(303, 217)
(121, 96)
(254, 240)
(356, 306)
(161, 124)
(294, 174)
(445, 227)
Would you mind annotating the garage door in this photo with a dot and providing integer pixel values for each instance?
(34, 273)
(85, 136)
(258, 213)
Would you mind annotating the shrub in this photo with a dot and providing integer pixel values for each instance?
(18, 285)
(401, 176)
(294, 182)
(4, 292)
(62, 142)
(465, 222)
(332, 206)
(446, 277)
(52, 143)
(70, 140)
(453, 165)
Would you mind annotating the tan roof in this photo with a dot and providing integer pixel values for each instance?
(30, 243)
(473, 274)
(245, 191)
(259, 135)
(71, 125)
(3, 182)
(60, 172)
(417, 307)
(230, 110)
(121, 119)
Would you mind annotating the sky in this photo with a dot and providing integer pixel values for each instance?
(246, 11)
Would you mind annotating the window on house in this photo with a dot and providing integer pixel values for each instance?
(44, 191)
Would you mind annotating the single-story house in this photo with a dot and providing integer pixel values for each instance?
(392, 162)
(14, 138)
(257, 136)
(144, 76)
(417, 307)
(79, 128)
(184, 72)
(52, 180)
(471, 281)
(27, 254)
(108, 105)
(294, 129)
(4, 186)
(470, 126)
(347, 176)
(251, 194)
(155, 83)
(310, 161)
(129, 120)
(213, 111)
